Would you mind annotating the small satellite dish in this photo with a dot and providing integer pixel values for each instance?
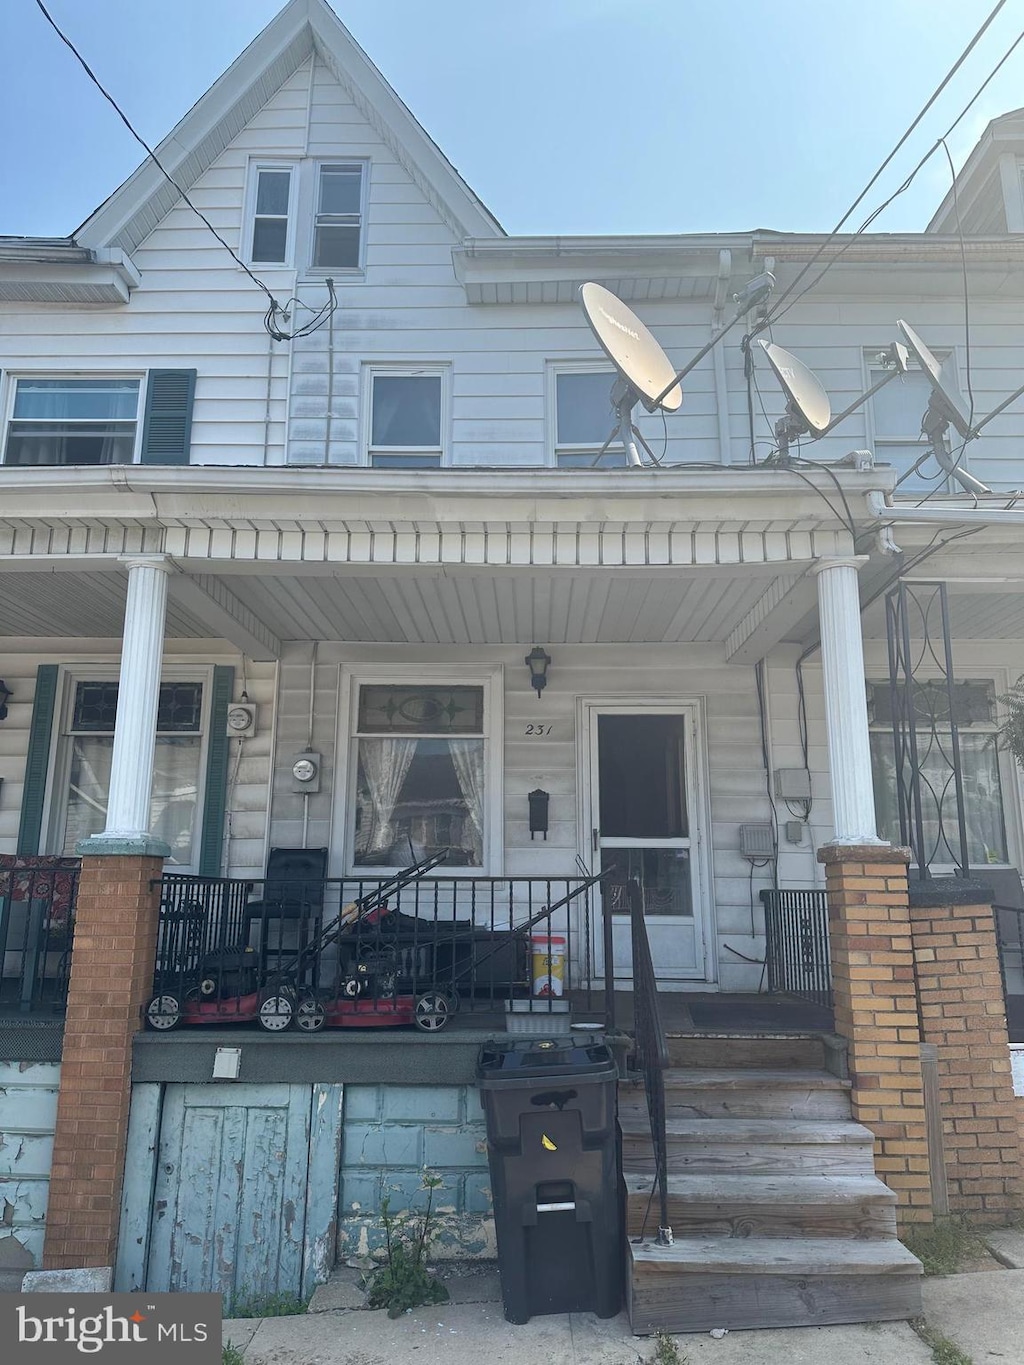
(636, 355)
(945, 399)
(808, 407)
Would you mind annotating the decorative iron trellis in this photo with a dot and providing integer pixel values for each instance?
(925, 705)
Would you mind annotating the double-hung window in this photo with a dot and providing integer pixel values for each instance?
(338, 216)
(272, 213)
(974, 709)
(583, 418)
(421, 783)
(406, 418)
(73, 422)
(82, 781)
(896, 415)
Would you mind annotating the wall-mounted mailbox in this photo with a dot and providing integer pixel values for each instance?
(539, 801)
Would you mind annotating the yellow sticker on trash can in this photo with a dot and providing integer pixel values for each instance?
(546, 1142)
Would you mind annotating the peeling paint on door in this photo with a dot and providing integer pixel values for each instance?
(28, 1112)
(239, 1194)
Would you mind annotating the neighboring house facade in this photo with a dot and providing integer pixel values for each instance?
(362, 531)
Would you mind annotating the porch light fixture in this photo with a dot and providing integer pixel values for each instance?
(5, 696)
(538, 662)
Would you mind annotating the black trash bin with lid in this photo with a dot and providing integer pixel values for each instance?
(552, 1150)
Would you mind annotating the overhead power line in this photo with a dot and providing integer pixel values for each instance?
(274, 310)
(775, 312)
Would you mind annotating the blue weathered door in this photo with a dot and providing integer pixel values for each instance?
(243, 1192)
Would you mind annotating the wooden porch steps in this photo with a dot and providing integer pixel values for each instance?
(765, 1206)
(705, 1282)
(706, 1093)
(779, 1219)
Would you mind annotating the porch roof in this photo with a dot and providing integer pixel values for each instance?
(448, 557)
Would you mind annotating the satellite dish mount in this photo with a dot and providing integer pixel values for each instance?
(808, 410)
(645, 373)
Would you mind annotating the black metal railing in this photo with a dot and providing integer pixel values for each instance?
(37, 916)
(926, 705)
(358, 951)
(650, 1050)
(797, 946)
(1009, 922)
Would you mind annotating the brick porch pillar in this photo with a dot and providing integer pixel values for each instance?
(111, 979)
(113, 954)
(963, 1014)
(876, 1012)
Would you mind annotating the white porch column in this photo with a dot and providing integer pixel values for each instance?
(138, 694)
(846, 708)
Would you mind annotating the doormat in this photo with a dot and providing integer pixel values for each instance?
(769, 1018)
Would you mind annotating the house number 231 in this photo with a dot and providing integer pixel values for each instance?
(538, 730)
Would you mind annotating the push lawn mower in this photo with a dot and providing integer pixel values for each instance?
(228, 986)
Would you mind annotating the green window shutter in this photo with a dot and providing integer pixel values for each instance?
(38, 760)
(216, 789)
(167, 425)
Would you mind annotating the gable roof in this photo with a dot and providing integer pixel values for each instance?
(304, 28)
(980, 191)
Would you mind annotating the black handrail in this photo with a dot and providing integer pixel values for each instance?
(650, 1050)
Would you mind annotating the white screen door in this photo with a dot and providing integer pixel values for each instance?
(645, 828)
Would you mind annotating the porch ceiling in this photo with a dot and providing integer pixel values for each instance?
(421, 606)
(974, 614)
(77, 604)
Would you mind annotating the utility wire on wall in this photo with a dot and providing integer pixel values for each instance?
(275, 310)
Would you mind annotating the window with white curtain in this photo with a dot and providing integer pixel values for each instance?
(63, 421)
(421, 774)
(974, 703)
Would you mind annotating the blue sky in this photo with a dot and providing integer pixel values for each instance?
(566, 116)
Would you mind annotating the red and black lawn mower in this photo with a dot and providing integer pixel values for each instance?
(232, 984)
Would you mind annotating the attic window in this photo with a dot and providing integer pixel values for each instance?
(338, 221)
(271, 211)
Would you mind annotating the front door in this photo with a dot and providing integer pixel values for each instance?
(646, 828)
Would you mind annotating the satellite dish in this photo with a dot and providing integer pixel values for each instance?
(945, 400)
(636, 355)
(808, 408)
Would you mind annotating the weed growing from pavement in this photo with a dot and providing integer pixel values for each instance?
(944, 1351)
(666, 1352)
(403, 1281)
(944, 1245)
(231, 1355)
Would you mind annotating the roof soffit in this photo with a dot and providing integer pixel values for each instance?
(303, 28)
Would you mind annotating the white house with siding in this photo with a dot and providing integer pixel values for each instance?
(362, 531)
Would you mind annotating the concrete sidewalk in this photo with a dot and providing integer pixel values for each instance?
(981, 1313)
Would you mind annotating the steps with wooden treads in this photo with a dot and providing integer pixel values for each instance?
(778, 1216)
(752, 1146)
(706, 1205)
(706, 1093)
(769, 1052)
(701, 1283)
